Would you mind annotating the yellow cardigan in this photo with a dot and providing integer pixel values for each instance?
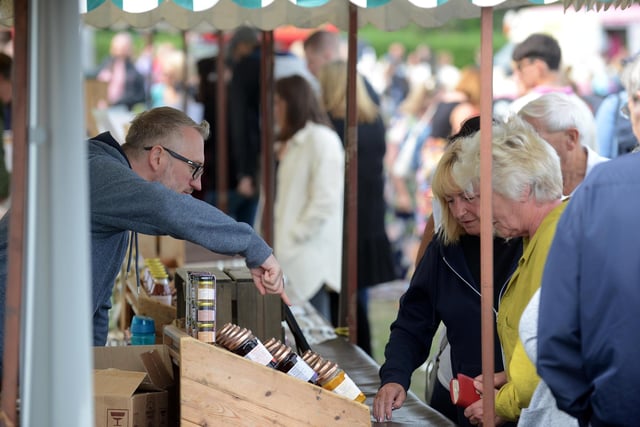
(522, 378)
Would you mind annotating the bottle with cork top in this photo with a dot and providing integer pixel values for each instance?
(332, 377)
(242, 342)
(289, 362)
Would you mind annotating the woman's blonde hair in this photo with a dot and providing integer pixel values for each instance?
(333, 83)
(443, 186)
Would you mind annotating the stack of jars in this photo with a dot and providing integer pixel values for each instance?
(200, 300)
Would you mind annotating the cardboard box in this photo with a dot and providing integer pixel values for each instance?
(132, 386)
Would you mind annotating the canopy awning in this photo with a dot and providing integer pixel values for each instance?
(269, 14)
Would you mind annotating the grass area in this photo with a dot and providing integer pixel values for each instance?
(381, 313)
(459, 38)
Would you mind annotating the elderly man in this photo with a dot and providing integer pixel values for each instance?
(145, 187)
(588, 347)
(567, 123)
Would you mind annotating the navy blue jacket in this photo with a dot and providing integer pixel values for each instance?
(443, 289)
(589, 327)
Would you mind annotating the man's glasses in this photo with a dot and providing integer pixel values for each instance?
(198, 168)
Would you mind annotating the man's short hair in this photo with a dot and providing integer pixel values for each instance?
(155, 125)
(541, 46)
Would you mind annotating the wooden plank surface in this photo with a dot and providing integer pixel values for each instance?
(221, 388)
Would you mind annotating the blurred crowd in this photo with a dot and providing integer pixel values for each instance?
(410, 102)
(423, 98)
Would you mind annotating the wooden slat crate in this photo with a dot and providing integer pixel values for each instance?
(218, 387)
(238, 302)
(262, 313)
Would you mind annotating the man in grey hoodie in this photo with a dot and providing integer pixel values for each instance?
(145, 186)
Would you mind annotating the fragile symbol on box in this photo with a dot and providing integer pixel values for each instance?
(117, 417)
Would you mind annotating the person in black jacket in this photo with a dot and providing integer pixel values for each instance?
(445, 287)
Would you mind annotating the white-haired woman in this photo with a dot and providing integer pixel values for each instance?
(527, 203)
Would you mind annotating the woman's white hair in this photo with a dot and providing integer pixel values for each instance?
(560, 111)
(523, 164)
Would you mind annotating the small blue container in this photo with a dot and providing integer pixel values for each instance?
(143, 330)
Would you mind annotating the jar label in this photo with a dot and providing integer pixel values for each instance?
(207, 336)
(206, 294)
(260, 354)
(347, 388)
(206, 315)
(303, 371)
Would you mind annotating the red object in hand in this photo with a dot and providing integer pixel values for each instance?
(463, 393)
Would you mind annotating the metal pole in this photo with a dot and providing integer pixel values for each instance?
(56, 379)
(486, 226)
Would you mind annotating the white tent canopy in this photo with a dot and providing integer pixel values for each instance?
(269, 14)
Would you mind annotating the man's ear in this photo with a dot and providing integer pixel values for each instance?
(155, 158)
(573, 138)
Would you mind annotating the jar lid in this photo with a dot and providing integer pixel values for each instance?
(142, 325)
(201, 276)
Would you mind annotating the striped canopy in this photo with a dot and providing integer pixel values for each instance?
(269, 14)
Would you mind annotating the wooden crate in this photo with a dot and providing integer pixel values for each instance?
(218, 387)
(238, 301)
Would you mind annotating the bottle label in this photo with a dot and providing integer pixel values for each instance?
(303, 371)
(347, 388)
(206, 315)
(206, 294)
(260, 354)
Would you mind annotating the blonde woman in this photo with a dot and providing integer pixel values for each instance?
(375, 259)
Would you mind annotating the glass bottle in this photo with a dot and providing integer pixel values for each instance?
(245, 344)
(332, 377)
(289, 362)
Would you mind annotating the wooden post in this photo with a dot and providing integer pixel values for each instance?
(17, 238)
(349, 289)
(486, 225)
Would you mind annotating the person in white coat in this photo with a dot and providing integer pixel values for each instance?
(309, 197)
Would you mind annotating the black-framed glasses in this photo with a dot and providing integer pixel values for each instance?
(198, 168)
